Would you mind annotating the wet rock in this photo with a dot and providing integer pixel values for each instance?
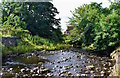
(83, 74)
(49, 74)
(105, 68)
(68, 67)
(11, 69)
(16, 75)
(104, 65)
(102, 72)
(53, 62)
(91, 72)
(97, 69)
(78, 56)
(40, 63)
(109, 71)
(31, 71)
(109, 63)
(44, 70)
(91, 67)
(77, 74)
(22, 70)
(111, 68)
(86, 72)
(62, 75)
(60, 67)
(65, 71)
(25, 75)
(38, 71)
(56, 66)
(69, 73)
(58, 61)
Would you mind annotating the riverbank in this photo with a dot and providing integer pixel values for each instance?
(10, 45)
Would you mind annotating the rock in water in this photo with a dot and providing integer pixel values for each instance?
(44, 70)
(91, 67)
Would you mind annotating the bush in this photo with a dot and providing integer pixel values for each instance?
(108, 34)
(95, 27)
(22, 49)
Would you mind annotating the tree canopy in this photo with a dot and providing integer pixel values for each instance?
(95, 27)
(37, 17)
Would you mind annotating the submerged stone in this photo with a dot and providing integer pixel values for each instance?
(91, 67)
(44, 70)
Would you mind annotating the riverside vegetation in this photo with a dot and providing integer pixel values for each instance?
(92, 27)
(34, 30)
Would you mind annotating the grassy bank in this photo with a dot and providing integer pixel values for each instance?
(29, 48)
(36, 43)
(28, 43)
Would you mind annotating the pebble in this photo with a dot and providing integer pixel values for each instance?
(58, 61)
(69, 73)
(102, 72)
(22, 70)
(56, 66)
(11, 69)
(31, 71)
(49, 74)
(61, 75)
(109, 64)
(16, 75)
(109, 71)
(78, 56)
(87, 72)
(60, 67)
(105, 68)
(91, 71)
(1, 73)
(38, 71)
(74, 69)
(77, 74)
(83, 74)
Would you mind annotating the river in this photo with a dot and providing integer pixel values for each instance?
(72, 62)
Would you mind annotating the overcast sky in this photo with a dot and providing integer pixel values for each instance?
(65, 6)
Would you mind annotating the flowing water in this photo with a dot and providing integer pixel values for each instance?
(70, 62)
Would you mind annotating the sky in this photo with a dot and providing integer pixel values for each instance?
(65, 6)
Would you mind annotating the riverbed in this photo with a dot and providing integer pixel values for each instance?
(72, 62)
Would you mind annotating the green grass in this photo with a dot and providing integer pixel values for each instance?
(26, 46)
(29, 43)
(29, 48)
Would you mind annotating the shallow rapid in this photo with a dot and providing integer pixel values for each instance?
(72, 62)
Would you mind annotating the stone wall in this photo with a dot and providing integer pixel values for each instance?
(116, 69)
(9, 41)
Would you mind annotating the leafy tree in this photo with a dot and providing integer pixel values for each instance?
(98, 26)
(38, 18)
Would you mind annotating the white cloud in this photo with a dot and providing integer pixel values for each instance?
(65, 6)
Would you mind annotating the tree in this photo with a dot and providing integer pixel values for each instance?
(38, 18)
(99, 26)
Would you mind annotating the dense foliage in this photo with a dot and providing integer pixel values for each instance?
(37, 17)
(34, 24)
(95, 27)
